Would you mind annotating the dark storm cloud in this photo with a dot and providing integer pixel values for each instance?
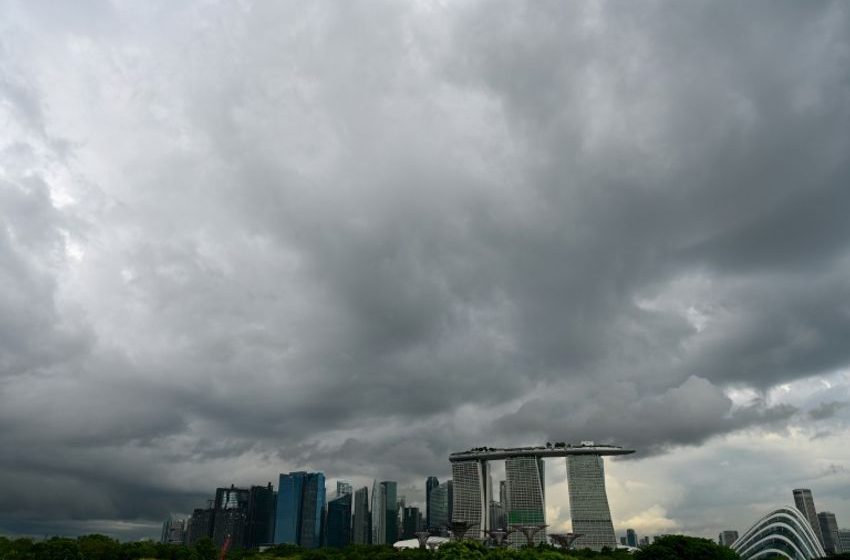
(826, 410)
(240, 239)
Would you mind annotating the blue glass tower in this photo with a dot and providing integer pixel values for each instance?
(300, 509)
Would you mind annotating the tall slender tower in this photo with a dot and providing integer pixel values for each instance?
(806, 505)
(378, 517)
(361, 523)
(589, 502)
(430, 484)
(471, 495)
(525, 483)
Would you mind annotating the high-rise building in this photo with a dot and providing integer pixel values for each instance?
(829, 531)
(525, 483)
(401, 503)
(806, 505)
(231, 516)
(389, 505)
(411, 519)
(342, 487)
(472, 494)
(430, 484)
(300, 509)
(450, 487)
(589, 502)
(498, 516)
(438, 505)
(631, 538)
(379, 534)
(261, 508)
(726, 538)
(200, 525)
(173, 531)
(362, 522)
(843, 544)
(338, 532)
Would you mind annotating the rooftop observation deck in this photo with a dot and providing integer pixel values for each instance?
(549, 450)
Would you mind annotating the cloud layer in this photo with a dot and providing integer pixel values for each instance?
(242, 238)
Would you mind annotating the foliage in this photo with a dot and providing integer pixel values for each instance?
(680, 547)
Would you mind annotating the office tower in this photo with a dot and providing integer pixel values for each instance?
(200, 525)
(623, 541)
(401, 503)
(525, 483)
(631, 538)
(843, 544)
(389, 505)
(338, 532)
(362, 522)
(503, 494)
(829, 531)
(589, 502)
(471, 495)
(342, 487)
(410, 521)
(805, 502)
(726, 538)
(261, 509)
(498, 516)
(438, 505)
(173, 531)
(430, 484)
(379, 535)
(300, 509)
(450, 486)
(231, 516)
(313, 511)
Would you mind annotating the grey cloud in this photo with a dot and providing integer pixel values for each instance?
(826, 410)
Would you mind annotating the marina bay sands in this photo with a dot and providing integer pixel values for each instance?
(525, 489)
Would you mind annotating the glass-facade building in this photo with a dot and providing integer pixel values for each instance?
(782, 532)
(431, 483)
(338, 532)
(805, 503)
(262, 502)
(589, 510)
(300, 509)
(361, 525)
(526, 502)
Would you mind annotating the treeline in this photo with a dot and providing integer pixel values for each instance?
(100, 547)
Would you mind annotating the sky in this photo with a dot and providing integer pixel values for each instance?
(240, 238)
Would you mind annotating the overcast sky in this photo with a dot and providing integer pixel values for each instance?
(243, 238)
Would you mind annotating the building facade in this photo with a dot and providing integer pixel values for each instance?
(231, 516)
(262, 502)
(631, 538)
(828, 531)
(589, 510)
(438, 505)
(526, 502)
(471, 495)
(726, 538)
(338, 531)
(430, 484)
(300, 511)
(361, 524)
(782, 532)
(200, 525)
(805, 503)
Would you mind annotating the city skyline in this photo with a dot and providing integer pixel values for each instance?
(239, 239)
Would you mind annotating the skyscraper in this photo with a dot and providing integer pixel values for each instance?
(338, 532)
(389, 505)
(631, 538)
(173, 531)
(411, 520)
(472, 494)
(726, 538)
(438, 505)
(342, 487)
(313, 511)
(300, 509)
(525, 482)
(200, 525)
(231, 516)
(261, 508)
(806, 505)
(430, 484)
(829, 531)
(362, 523)
(589, 502)
(379, 535)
